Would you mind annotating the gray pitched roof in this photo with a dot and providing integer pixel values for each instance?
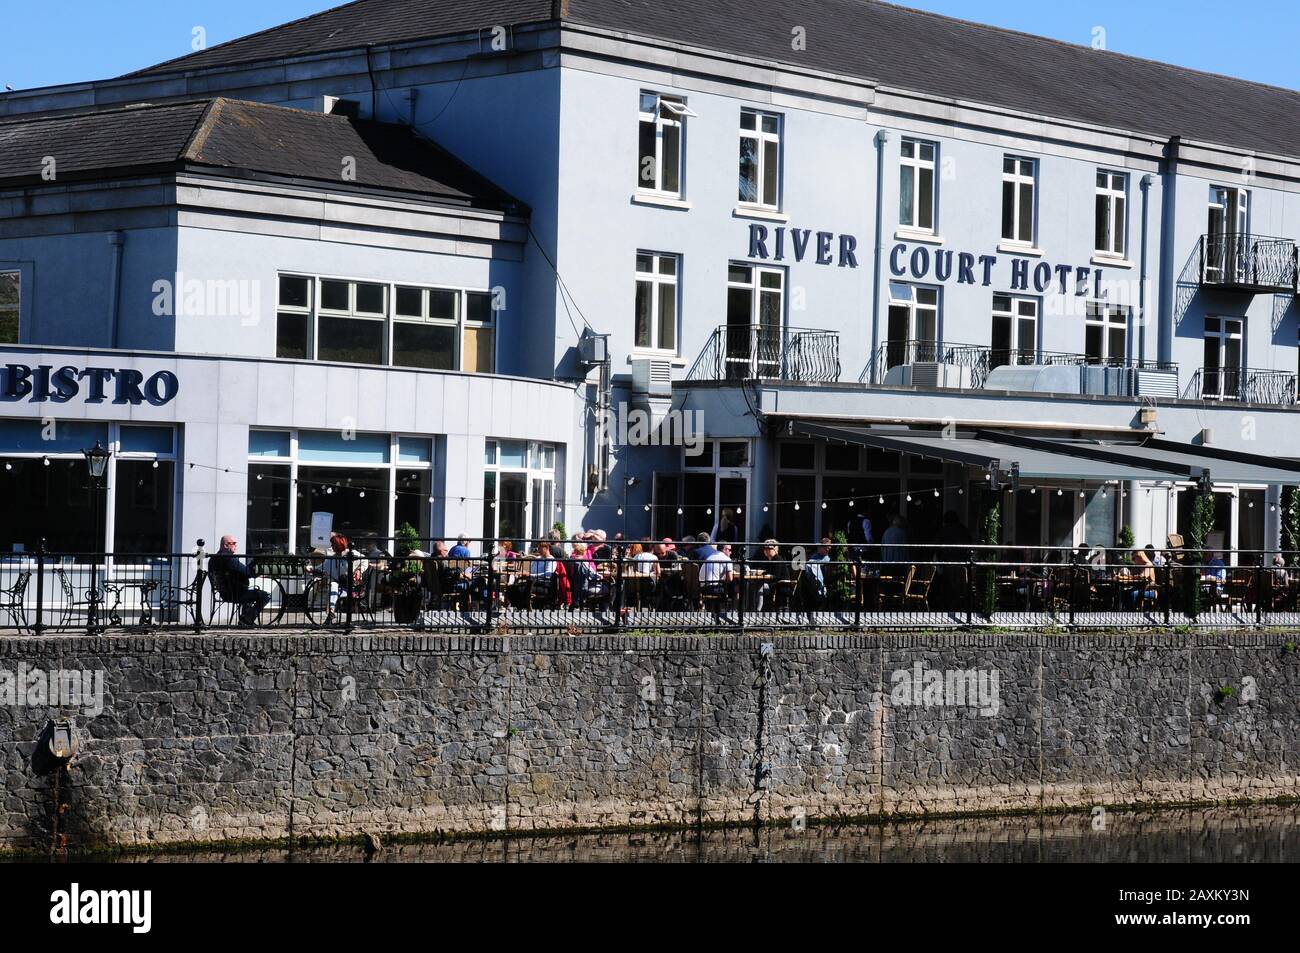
(243, 137)
(894, 45)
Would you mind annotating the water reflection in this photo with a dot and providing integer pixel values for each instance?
(1258, 834)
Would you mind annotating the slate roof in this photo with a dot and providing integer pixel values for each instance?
(893, 45)
(238, 136)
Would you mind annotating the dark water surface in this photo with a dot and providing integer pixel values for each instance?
(1258, 834)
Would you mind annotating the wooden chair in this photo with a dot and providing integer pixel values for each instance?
(893, 592)
(1233, 594)
(916, 592)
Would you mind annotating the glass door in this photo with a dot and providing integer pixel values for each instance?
(1221, 371)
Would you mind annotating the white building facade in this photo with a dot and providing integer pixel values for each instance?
(722, 270)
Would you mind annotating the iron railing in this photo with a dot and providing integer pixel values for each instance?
(1246, 384)
(975, 361)
(1243, 262)
(742, 352)
(610, 586)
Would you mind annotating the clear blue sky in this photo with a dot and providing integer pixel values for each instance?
(66, 41)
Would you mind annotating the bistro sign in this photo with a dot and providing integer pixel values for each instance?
(125, 385)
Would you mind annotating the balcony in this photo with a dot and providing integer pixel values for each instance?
(982, 367)
(737, 353)
(1244, 384)
(1252, 264)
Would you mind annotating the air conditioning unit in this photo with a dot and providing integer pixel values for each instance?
(652, 378)
(930, 374)
(338, 106)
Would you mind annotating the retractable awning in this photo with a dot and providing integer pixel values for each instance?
(1037, 458)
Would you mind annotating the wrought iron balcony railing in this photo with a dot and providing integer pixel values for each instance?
(1237, 261)
(736, 353)
(967, 366)
(1246, 384)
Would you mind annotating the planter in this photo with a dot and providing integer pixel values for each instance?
(406, 605)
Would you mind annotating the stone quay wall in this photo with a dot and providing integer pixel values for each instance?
(226, 737)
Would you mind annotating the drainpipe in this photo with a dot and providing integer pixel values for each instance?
(1168, 251)
(882, 136)
(117, 240)
(410, 94)
(1146, 183)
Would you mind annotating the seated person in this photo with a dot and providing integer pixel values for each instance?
(772, 570)
(230, 579)
(1144, 576)
(814, 575)
(1214, 571)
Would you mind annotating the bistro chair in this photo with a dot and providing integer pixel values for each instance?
(916, 593)
(893, 590)
(13, 601)
(176, 602)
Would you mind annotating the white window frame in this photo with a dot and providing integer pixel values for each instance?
(1112, 194)
(1016, 313)
(1222, 335)
(917, 164)
(755, 359)
(352, 314)
(1233, 205)
(762, 139)
(678, 112)
(1107, 318)
(1018, 178)
(661, 286)
(914, 305)
(539, 466)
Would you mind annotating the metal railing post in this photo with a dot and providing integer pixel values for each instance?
(39, 627)
(489, 588)
(1074, 579)
(348, 592)
(1259, 590)
(1164, 589)
(970, 587)
(618, 585)
(742, 590)
(857, 591)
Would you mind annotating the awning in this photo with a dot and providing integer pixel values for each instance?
(1037, 458)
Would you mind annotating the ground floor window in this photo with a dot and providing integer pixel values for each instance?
(304, 485)
(519, 499)
(710, 495)
(48, 495)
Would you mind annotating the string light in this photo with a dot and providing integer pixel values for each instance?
(1058, 491)
(796, 506)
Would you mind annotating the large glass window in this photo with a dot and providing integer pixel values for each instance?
(303, 485)
(47, 491)
(1112, 204)
(1229, 218)
(659, 158)
(350, 327)
(755, 315)
(9, 295)
(913, 332)
(1106, 334)
(1221, 372)
(760, 158)
(1018, 199)
(1015, 330)
(519, 496)
(916, 195)
(656, 301)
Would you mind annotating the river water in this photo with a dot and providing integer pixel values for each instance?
(1257, 834)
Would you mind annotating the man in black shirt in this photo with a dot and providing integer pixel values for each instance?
(230, 577)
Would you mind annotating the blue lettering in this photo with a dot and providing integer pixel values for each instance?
(1099, 291)
(1019, 274)
(1081, 281)
(161, 387)
(920, 262)
(988, 261)
(848, 245)
(966, 268)
(824, 247)
(18, 383)
(757, 241)
(780, 245)
(65, 384)
(128, 387)
(41, 383)
(895, 261)
(99, 376)
(943, 265)
(1042, 276)
(800, 236)
(1064, 272)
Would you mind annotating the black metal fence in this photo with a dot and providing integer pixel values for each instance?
(743, 352)
(1253, 262)
(628, 586)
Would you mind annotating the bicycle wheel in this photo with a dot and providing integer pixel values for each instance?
(273, 611)
(316, 600)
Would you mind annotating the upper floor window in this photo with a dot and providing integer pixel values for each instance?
(9, 282)
(1106, 334)
(1229, 217)
(755, 315)
(659, 159)
(1112, 207)
(1018, 199)
(656, 301)
(1015, 330)
(367, 323)
(913, 329)
(760, 158)
(916, 185)
(1221, 370)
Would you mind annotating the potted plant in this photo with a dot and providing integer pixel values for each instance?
(403, 580)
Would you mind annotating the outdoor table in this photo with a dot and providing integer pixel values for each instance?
(145, 587)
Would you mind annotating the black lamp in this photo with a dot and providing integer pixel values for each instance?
(97, 460)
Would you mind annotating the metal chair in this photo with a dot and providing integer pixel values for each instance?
(13, 601)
